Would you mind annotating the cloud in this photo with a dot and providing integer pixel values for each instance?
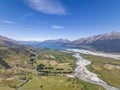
(57, 27)
(47, 6)
(7, 22)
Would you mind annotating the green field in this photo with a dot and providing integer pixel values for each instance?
(42, 69)
(107, 69)
(5, 87)
(58, 83)
(50, 83)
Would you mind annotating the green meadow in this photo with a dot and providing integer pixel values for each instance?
(43, 69)
(58, 83)
(107, 69)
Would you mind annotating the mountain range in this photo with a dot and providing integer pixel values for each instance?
(6, 42)
(108, 42)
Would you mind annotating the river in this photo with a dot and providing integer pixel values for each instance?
(82, 73)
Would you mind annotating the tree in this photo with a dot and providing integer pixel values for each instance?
(32, 61)
(40, 67)
(41, 86)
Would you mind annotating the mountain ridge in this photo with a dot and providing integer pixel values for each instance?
(108, 42)
(7, 42)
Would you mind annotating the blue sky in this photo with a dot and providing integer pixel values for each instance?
(53, 19)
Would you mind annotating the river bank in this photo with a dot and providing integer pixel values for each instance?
(82, 73)
(110, 55)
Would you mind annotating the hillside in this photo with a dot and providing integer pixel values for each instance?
(108, 42)
(25, 67)
(52, 44)
(6, 42)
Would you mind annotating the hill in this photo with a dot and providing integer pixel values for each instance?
(108, 42)
(6, 42)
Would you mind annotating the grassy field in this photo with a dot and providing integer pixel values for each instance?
(47, 54)
(5, 87)
(56, 67)
(27, 73)
(58, 83)
(107, 69)
(55, 62)
(50, 83)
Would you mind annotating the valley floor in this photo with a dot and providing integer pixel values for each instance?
(110, 55)
(44, 70)
(82, 73)
(54, 70)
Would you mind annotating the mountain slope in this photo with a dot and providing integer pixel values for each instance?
(57, 42)
(6, 42)
(109, 42)
(54, 44)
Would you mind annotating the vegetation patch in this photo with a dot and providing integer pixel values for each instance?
(58, 83)
(106, 68)
(39, 69)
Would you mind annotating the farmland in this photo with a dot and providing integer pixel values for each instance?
(43, 69)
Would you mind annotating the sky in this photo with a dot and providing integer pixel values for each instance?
(53, 19)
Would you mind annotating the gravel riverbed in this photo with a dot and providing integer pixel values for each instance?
(82, 73)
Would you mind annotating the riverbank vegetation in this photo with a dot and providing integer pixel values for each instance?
(107, 69)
